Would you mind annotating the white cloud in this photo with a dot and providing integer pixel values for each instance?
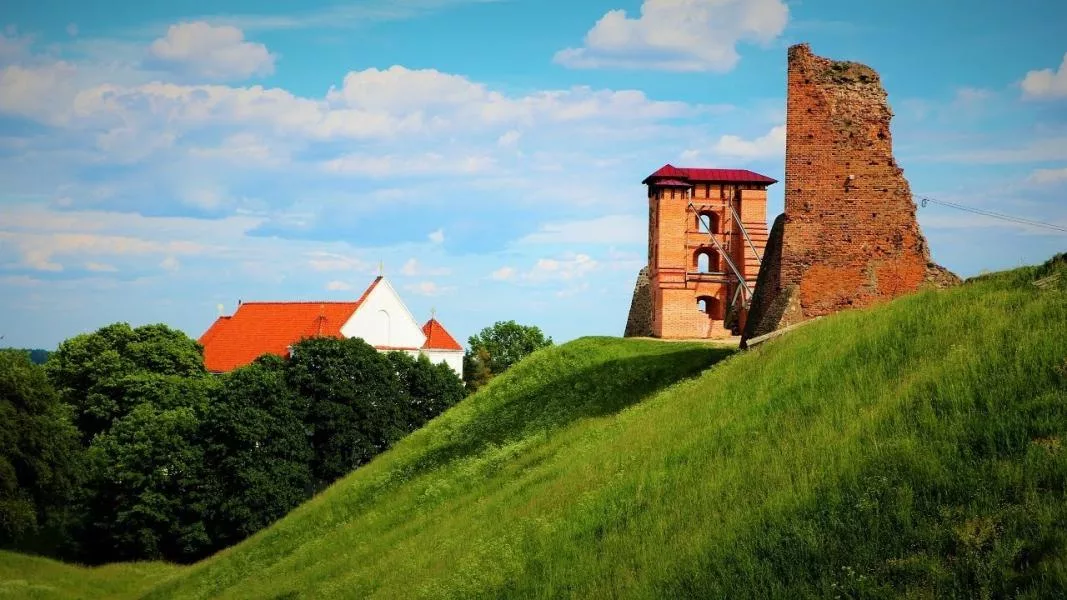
(428, 288)
(678, 35)
(412, 268)
(97, 267)
(39, 249)
(38, 92)
(437, 236)
(567, 268)
(170, 264)
(245, 148)
(503, 274)
(1047, 176)
(211, 52)
(609, 229)
(72, 29)
(770, 145)
(1046, 83)
(338, 286)
(340, 15)
(427, 164)
(328, 261)
(509, 139)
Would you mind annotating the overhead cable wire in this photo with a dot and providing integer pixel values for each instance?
(995, 215)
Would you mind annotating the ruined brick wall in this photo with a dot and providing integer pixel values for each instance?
(850, 237)
(639, 322)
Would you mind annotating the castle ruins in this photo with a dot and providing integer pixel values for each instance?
(848, 237)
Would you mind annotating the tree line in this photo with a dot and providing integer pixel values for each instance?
(121, 446)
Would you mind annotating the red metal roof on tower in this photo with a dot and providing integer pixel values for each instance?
(258, 328)
(671, 173)
(437, 338)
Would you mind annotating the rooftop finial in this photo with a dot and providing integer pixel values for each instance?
(381, 268)
(433, 313)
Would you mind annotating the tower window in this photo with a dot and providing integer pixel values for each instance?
(707, 223)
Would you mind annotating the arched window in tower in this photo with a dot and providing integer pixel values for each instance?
(707, 223)
(703, 263)
(706, 260)
(708, 305)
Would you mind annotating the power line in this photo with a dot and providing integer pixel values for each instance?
(995, 215)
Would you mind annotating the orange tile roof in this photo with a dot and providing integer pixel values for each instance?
(437, 338)
(259, 328)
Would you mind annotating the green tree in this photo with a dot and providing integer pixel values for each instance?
(257, 451)
(145, 498)
(495, 349)
(430, 389)
(355, 402)
(85, 369)
(39, 453)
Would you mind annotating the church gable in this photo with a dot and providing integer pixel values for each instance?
(384, 321)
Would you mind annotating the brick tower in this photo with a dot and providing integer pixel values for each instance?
(691, 284)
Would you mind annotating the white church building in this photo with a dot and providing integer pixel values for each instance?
(379, 316)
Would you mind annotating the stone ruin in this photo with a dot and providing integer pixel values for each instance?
(849, 236)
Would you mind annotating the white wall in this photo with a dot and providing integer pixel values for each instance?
(383, 320)
(453, 358)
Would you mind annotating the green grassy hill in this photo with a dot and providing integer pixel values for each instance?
(911, 449)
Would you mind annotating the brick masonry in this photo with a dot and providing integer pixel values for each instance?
(668, 293)
(849, 236)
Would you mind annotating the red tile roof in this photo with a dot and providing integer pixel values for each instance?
(671, 172)
(437, 338)
(259, 328)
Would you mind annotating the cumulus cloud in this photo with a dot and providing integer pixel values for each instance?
(412, 268)
(170, 264)
(437, 236)
(770, 145)
(338, 286)
(39, 92)
(503, 274)
(428, 288)
(509, 139)
(567, 268)
(201, 50)
(678, 35)
(1046, 83)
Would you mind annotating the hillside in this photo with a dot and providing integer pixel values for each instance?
(913, 448)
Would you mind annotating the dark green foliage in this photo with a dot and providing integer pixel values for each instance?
(495, 349)
(354, 402)
(257, 451)
(146, 497)
(39, 453)
(429, 388)
(85, 369)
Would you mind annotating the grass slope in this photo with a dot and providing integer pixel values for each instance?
(911, 449)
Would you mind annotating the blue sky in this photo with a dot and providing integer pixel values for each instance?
(158, 160)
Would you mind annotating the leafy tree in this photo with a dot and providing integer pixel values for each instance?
(85, 369)
(39, 452)
(355, 402)
(145, 495)
(430, 389)
(498, 347)
(257, 451)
